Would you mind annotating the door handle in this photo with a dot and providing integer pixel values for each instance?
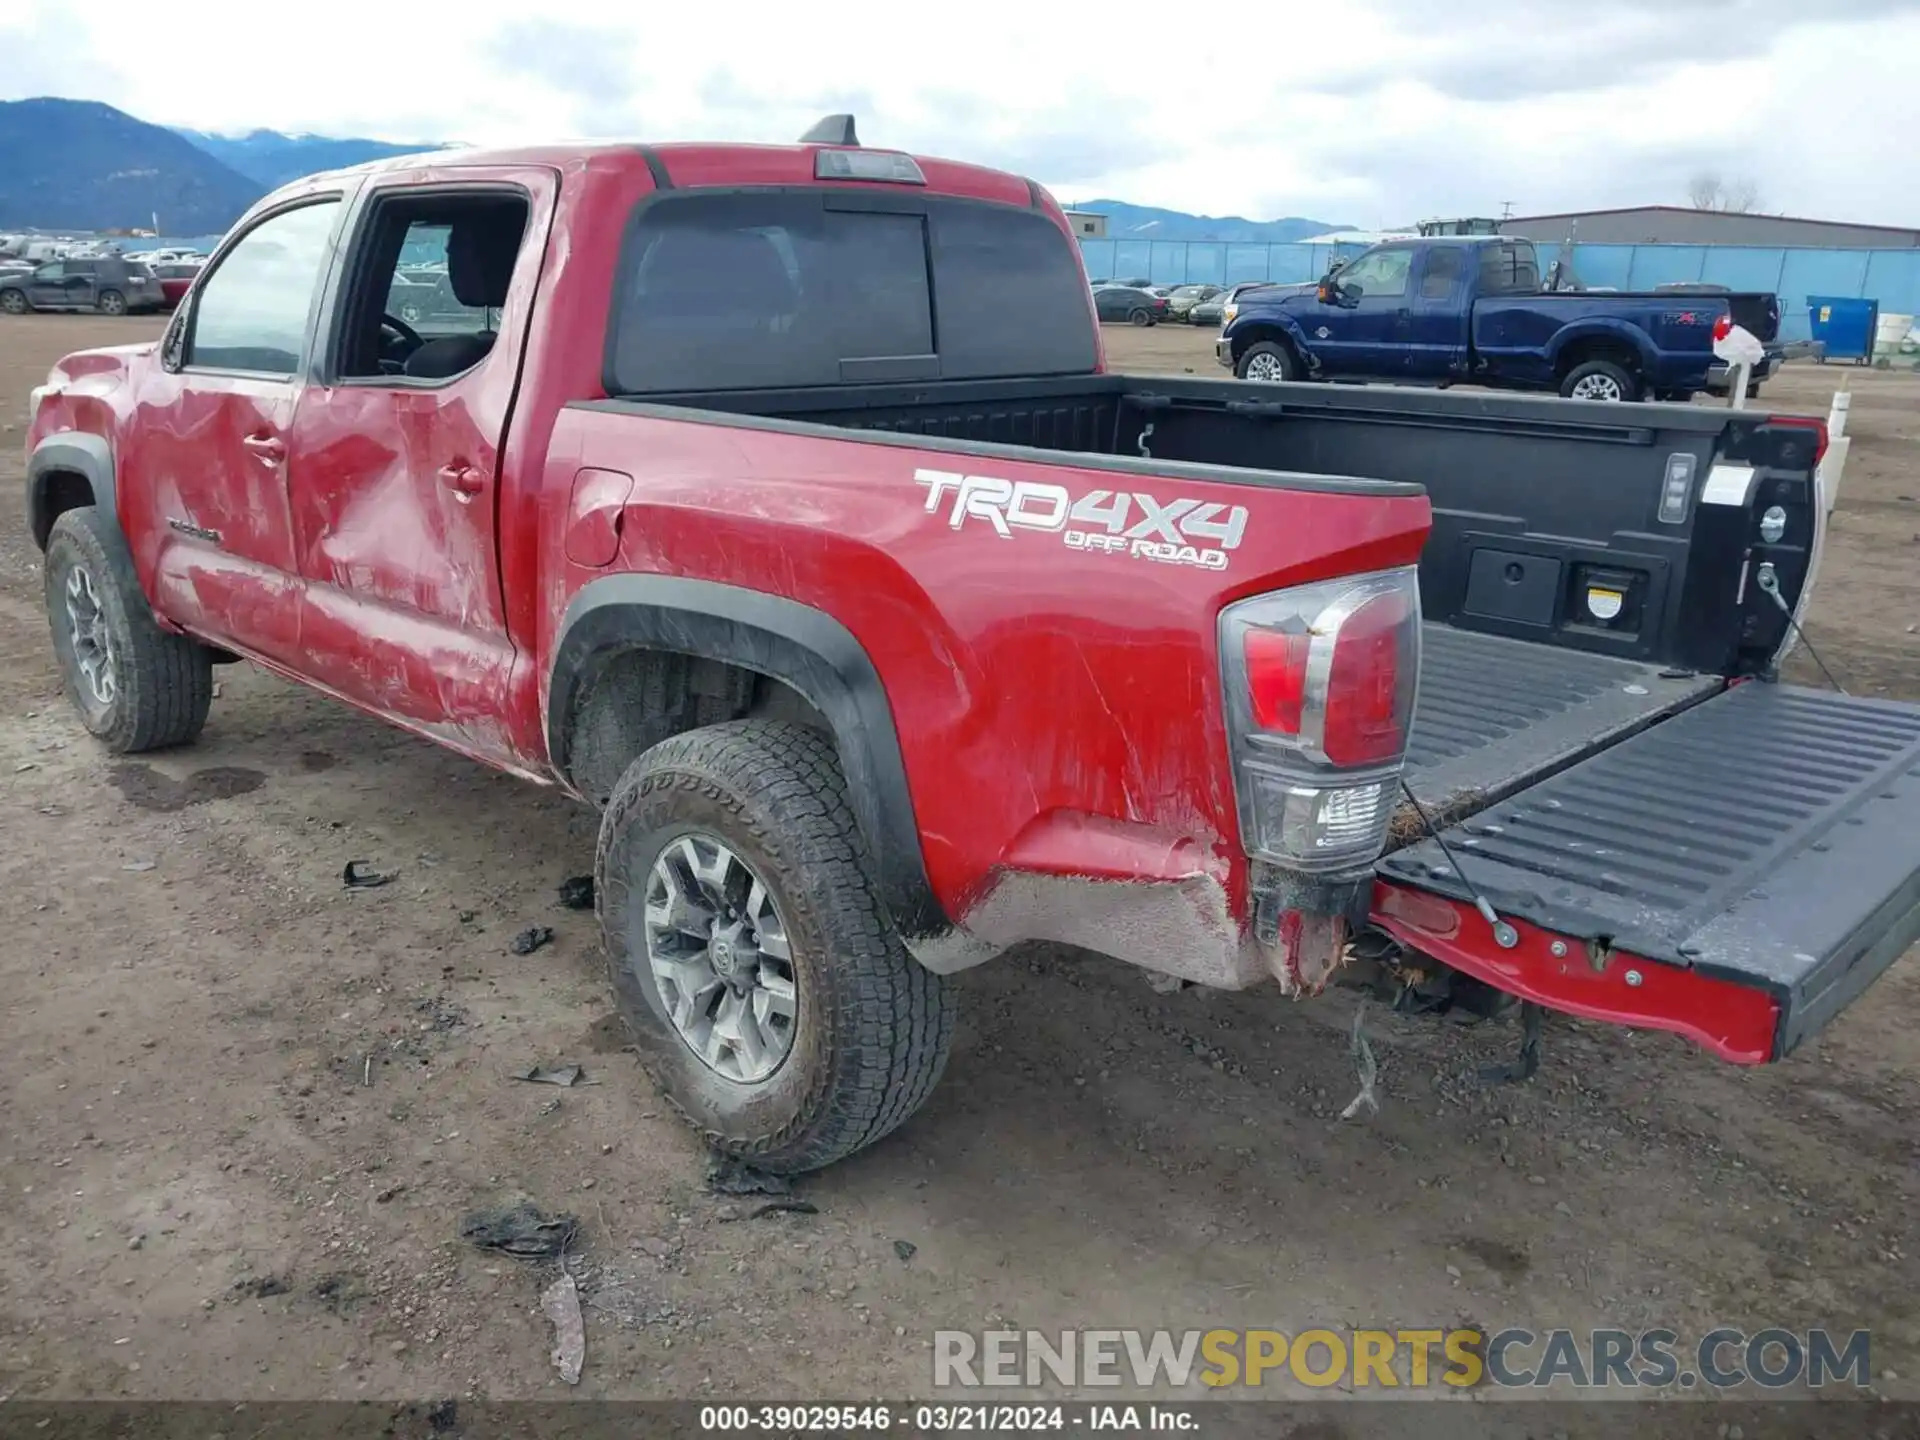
(465, 481)
(268, 447)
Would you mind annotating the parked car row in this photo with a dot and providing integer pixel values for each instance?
(1129, 303)
(111, 285)
(1190, 304)
(1213, 310)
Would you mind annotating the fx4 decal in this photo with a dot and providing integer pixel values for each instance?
(1113, 522)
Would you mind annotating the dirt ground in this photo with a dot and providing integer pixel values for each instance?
(247, 1108)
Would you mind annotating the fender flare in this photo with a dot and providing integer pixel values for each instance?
(75, 452)
(1279, 320)
(1629, 336)
(793, 643)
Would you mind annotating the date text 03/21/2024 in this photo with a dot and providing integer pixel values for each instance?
(943, 1419)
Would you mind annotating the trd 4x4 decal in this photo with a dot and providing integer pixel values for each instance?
(1114, 522)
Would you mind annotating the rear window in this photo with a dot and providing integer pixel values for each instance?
(790, 289)
(1508, 270)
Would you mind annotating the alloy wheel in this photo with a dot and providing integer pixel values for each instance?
(721, 959)
(92, 640)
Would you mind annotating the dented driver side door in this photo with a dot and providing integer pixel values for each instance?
(395, 467)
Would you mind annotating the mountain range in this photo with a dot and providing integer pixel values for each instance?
(1145, 222)
(270, 159)
(82, 165)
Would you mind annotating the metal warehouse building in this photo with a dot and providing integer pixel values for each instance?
(1681, 225)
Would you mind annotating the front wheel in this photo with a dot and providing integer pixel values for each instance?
(1140, 316)
(758, 972)
(1266, 361)
(1600, 380)
(136, 686)
(112, 302)
(14, 302)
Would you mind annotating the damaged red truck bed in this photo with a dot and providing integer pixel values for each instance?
(776, 501)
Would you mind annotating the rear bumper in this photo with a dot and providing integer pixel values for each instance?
(1739, 1023)
(1719, 372)
(1163, 904)
(1185, 928)
(1738, 873)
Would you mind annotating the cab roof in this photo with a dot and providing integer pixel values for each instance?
(700, 164)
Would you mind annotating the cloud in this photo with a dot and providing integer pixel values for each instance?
(1375, 111)
(1523, 49)
(42, 59)
(588, 66)
(1070, 137)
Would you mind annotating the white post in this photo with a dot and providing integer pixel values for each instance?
(1737, 388)
(1837, 416)
(1827, 478)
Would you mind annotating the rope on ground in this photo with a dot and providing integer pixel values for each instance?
(1364, 1063)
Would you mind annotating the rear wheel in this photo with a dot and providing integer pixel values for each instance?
(765, 989)
(136, 686)
(1140, 315)
(1267, 361)
(112, 302)
(1600, 380)
(14, 302)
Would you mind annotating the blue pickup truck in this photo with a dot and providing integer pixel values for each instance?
(1470, 310)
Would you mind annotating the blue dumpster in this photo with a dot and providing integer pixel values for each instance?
(1842, 326)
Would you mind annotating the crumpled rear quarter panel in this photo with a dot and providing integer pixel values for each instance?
(1059, 710)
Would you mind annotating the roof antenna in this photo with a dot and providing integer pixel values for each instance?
(833, 130)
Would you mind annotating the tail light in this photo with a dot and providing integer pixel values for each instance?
(1723, 327)
(1320, 685)
(1806, 422)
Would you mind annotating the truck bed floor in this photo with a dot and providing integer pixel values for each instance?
(1495, 714)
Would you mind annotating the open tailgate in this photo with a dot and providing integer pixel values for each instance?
(1739, 873)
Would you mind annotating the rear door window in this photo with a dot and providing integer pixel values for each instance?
(1508, 270)
(1445, 265)
(800, 288)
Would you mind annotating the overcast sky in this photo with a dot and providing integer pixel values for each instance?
(1356, 111)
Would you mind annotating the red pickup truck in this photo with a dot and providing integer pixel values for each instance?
(776, 501)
